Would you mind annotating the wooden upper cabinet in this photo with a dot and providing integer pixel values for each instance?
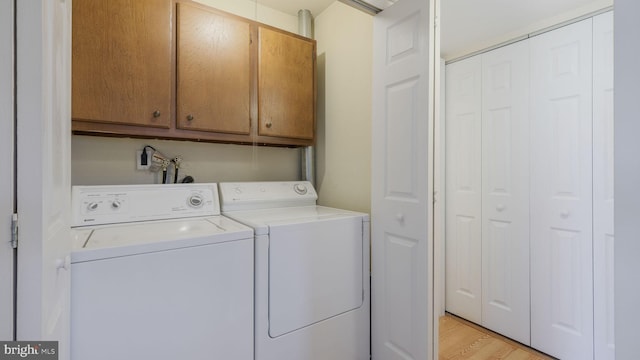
(177, 69)
(213, 71)
(122, 62)
(286, 85)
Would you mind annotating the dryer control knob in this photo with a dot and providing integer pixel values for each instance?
(92, 206)
(115, 205)
(300, 189)
(196, 201)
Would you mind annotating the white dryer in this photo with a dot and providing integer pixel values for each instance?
(312, 294)
(157, 273)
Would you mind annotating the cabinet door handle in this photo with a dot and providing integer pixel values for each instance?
(156, 114)
(268, 124)
(189, 117)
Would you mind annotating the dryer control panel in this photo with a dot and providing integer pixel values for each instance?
(97, 205)
(264, 195)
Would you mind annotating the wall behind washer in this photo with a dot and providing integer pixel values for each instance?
(343, 152)
(112, 161)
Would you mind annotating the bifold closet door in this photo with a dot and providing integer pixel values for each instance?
(505, 191)
(463, 189)
(603, 186)
(561, 192)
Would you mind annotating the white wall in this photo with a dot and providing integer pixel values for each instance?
(99, 160)
(627, 178)
(343, 153)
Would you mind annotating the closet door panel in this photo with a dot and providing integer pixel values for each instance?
(505, 191)
(561, 192)
(603, 186)
(463, 191)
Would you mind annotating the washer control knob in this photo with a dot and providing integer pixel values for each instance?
(92, 206)
(196, 201)
(115, 205)
(300, 189)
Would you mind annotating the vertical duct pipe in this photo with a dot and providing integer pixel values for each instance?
(307, 154)
(305, 23)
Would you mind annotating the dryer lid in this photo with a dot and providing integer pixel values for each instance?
(260, 220)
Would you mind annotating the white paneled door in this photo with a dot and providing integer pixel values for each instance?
(463, 265)
(43, 79)
(603, 186)
(7, 175)
(401, 185)
(561, 192)
(505, 191)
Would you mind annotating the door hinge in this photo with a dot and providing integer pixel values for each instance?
(14, 231)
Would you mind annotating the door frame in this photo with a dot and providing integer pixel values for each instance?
(7, 178)
(43, 149)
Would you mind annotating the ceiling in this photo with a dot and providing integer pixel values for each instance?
(469, 25)
(292, 6)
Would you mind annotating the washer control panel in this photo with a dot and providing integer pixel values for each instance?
(96, 205)
(264, 195)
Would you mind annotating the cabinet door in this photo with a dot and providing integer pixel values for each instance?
(561, 192)
(122, 61)
(603, 186)
(463, 191)
(505, 191)
(286, 85)
(213, 75)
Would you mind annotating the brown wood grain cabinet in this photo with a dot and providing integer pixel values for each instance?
(286, 86)
(122, 62)
(213, 77)
(181, 70)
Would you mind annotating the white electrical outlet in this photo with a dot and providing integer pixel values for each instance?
(139, 165)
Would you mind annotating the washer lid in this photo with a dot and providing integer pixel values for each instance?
(104, 242)
(260, 220)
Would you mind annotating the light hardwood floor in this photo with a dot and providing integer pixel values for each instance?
(460, 339)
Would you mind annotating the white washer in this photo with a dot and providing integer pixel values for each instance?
(311, 272)
(157, 273)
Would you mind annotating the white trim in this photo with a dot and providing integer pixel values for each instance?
(7, 159)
